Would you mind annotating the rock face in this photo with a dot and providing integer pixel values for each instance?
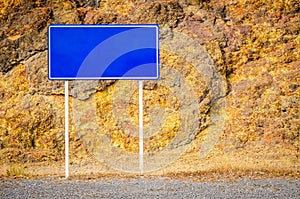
(252, 45)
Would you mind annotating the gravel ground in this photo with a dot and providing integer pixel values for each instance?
(147, 188)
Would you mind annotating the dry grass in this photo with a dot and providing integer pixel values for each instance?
(16, 171)
(258, 164)
(217, 167)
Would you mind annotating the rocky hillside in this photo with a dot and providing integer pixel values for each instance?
(236, 64)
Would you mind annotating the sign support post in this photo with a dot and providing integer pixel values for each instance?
(66, 129)
(141, 137)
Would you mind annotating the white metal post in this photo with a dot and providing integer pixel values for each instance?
(141, 142)
(66, 129)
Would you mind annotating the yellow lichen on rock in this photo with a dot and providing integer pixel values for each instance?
(6, 4)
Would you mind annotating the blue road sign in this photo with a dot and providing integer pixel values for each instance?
(103, 52)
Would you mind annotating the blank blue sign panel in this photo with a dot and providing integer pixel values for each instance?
(103, 52)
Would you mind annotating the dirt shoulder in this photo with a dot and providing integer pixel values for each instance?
(218, 167)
